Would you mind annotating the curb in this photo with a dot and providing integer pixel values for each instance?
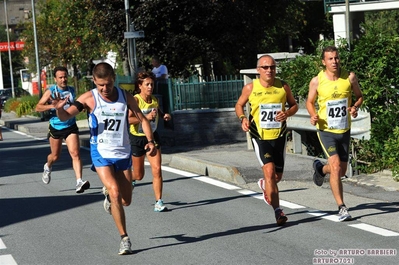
(205, 168)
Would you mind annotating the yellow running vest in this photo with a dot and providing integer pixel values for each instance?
(265, 103)
(136, 129)
(334, 97)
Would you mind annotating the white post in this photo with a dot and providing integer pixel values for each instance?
(1, 75)
(9, 50)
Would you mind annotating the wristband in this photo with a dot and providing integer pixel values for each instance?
(241, 117)
(153, 142)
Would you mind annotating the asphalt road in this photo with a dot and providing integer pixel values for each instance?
(209, 222)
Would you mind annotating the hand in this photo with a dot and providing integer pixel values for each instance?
(353, 111)
(281, 116)
(167, 117)
(59, 103)
(245, 124)
(314, 119)
(150, 149)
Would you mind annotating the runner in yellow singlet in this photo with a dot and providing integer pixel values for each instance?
(149, 105)
(267, 126)
(333, 89)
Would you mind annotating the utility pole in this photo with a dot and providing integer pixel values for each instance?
(131, 37)
(39, 82)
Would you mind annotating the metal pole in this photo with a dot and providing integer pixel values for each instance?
(9, 50)
(39, 83)
(130, 43)
(347, 18)
(134, 50)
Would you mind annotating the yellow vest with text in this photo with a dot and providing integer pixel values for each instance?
(333, 98)
(265, 102)
(136, 129)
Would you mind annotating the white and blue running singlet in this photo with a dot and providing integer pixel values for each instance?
(109, 127)
(55, 122)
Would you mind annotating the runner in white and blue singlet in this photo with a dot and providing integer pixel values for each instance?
(108, 107)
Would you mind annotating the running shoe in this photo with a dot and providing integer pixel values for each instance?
(343, 214)
(281, 219)
(82, 186)
(261, 184)
(133, 183)
(318, 176)
(107, 203)
(125, 247)
(46, 174)
(160, 207)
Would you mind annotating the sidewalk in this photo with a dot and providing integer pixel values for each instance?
(232, 163)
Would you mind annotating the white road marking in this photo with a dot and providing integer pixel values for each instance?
(7, 260)
(290, 205)
(375, 230)
(2, 245)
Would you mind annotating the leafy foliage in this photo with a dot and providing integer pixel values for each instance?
(65, 34)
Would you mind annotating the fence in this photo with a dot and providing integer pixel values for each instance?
(206, 94)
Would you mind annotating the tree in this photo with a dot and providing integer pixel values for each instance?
(65, 34)
(228, 34)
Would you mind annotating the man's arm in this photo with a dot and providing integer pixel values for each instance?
(43, 105)
(79, 104)
(310, 102)
(291, 101)
(239, 107)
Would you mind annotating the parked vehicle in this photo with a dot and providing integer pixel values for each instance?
(6, 93)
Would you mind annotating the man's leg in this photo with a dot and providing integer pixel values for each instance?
(271, 185)
(109, 178)
(55, 151)
(335, 171)
(72, 142)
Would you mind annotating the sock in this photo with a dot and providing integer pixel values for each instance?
(320, 169)
(341, 206)
(278, 208)
(123, 236)
(78, 180)
(47, 167)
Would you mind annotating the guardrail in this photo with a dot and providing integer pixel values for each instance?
(361, 125)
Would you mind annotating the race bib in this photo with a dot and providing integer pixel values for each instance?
(337, 114)
(267, 115)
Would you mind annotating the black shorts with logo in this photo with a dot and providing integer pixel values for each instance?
(335, 143)
(138, 143)
(271, 151)
(62, 134)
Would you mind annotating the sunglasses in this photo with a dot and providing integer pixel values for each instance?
(267, 67)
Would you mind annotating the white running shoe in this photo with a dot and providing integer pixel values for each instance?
(125, 247)
(107, 203)
(46, 174)
(343, 214)
(159, 207)
(82, 186)
(261, 184)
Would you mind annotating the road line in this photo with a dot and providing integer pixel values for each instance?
(256, 195)
(375, 230)
(7, 259)
(217, 183)
(2, 245)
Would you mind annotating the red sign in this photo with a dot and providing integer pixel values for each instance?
(14, 46)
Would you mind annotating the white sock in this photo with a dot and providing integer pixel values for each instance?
(79, 180)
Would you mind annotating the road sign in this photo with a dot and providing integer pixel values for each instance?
(134, 34)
